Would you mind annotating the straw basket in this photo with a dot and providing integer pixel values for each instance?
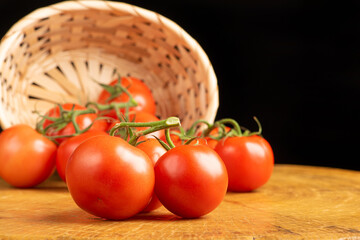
(54, 54)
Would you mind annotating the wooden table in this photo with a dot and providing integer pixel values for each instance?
(298, 202)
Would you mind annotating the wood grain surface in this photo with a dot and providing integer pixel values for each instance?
(299, 202)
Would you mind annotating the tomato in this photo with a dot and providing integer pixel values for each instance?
(208, 141)
(138, 90)
(142, 117)
(199, 140)
(154, 150)
(109, 178)
(26, 157)
(67, 147)
(83, 121)
(215, 133)
(249, 161)
(178, 142)
(211, 142)
(190, 180)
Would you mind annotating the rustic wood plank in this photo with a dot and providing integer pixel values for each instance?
(299, 202)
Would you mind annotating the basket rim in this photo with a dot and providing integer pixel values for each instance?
(98, 5)
(106, 5)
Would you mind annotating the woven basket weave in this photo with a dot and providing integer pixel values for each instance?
(54, 54)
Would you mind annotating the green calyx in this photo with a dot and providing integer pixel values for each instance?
(58, 123)
(115, 91)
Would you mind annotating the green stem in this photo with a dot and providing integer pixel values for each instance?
(192, 129)
(232, 122)
(259, 131)
(152, 127)
(39, 125)
(116, 106)
(209, 129)
(66, 116)
(115, 90)
(75, 114)
(168, 138)
(113, 105)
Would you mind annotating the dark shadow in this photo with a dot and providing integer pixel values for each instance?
(155, 216)
(47, 186)
(51, 188)
(79, 216)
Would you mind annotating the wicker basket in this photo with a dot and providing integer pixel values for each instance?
(54, 54)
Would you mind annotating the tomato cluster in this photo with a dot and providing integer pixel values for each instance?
(119, 159)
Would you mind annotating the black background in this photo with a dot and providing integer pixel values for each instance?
(295, 65)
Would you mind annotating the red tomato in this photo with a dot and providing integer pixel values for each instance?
(138, 90)
(215, 132)
(83, 121)
(200, 140)
(249, 161)
(67, 147)
(26, 157)
(211, 142)
(109, 178)
(190, 180)
(154, 150)
(178, 142)
(142, 117)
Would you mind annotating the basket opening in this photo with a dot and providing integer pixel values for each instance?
(55, 58)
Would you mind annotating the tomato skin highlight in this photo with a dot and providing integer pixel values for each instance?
(109, 178)
(190, 180)
(26, 157)
(154, 150)
(249, 161)
(67, 147)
